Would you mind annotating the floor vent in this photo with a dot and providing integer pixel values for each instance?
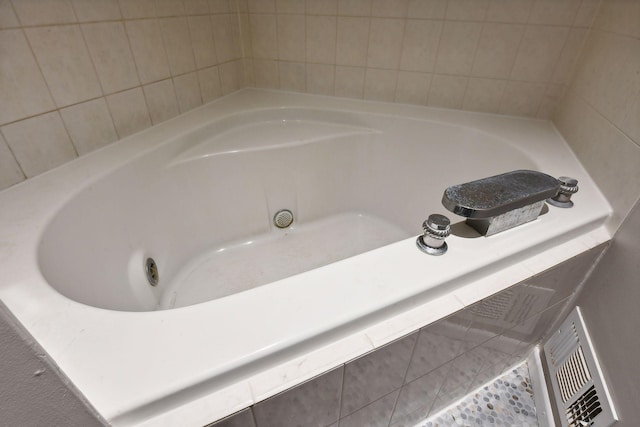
(581, 393)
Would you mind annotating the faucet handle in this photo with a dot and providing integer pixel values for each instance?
(436, 228)
(568, 187)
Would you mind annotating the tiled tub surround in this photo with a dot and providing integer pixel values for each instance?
(78, 75)
(189, 365)
(415, 377)
(510, 57)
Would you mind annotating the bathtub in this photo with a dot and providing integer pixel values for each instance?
(243, 309)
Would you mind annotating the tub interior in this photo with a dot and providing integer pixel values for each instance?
(202, 205)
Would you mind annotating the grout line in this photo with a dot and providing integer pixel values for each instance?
(4, 140)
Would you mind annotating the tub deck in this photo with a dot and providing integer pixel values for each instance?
(199, 363)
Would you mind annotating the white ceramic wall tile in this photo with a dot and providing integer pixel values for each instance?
(39, 143)
(112, 57)
(292, 76)
(631, 124)
(353, 40)
(497, 50)
(320, 79)
(10, 172)
(511, 11)
(266, 73)
(89, 125)
(96, 10)
(129, 111)
(354, 7)
(161, 100)
(177, 42)
(385, 43)
(447, 91)
(587, 13)
(148, 50)
(420, 45)
(209, 79)
(65, 63)
(620, 16)
(263, 36)
(169, 8)
(291, 37)
(552, 97)
(262, 6)
(231, 78)
(350, 82)
(44, 12)
(134, 9)
(290, 6)
(572, 48)
(522, 99)
(538, 53)
(224, 6)
(389, 8)
(24, 91)
(412, 87)
(380, 85)
(483, 95)
(197, 7)
(223, 36)
(322, 7)
(321, 39)
(202, 41)
(8, 18)
(187, 91)
(458, 45)
(467, 10)
(554, 12)
(427, 9)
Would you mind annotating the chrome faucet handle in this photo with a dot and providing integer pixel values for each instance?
(436, 228)
(568, 187)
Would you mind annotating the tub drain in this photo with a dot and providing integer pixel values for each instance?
(151, 268)
(283, 218)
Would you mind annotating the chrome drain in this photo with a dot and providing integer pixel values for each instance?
(151, 268)
(283, 218)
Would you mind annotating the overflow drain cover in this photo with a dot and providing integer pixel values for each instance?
(283, 218)
(151, 268)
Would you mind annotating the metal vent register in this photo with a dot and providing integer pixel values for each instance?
(582, 397)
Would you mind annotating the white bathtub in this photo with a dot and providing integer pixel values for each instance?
(242, 309)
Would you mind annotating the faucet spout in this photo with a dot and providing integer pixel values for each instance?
(500, 202)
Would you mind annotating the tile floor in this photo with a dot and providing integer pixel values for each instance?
(505, 401)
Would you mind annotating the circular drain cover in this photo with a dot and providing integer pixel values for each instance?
(283, 218)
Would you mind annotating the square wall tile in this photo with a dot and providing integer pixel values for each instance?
(198, 7)
(264, 41)
(497, 50)
(321, 39)
(354, 7)
(266, 73)
(350, 82)
(432, 351)
(380, 85)
(420, 45)
(187, 91)
(418, 396)
(427, 9)
(483, 95)
(223, 34)
(447, 91)
(353, 39)
(169, 8)
(376, 414)
(96, 10)
(522, 99)
(112, 57)
(458, 44)
(320, 79)
(39, 143)
(209, 84)
(322, 7)
(8, 18)
(538, 53)
(65, 63)
(291, 37)
(509, 11)
(10, 172)
(290, 6)
(376, 374)
(467, 10)
(129, 111)
(293, 76)
(162, 101)
(24, 91)
(412, 87)
(569, 56)
(135, 9)
(389, 8)
(315, 403)
(177, 42)
(44, 12)
(243, 418)
(202, 41)
(231, 76)
(262, 6)
(385, 43)
(148, 50)
(89, 125)
(554, 12)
